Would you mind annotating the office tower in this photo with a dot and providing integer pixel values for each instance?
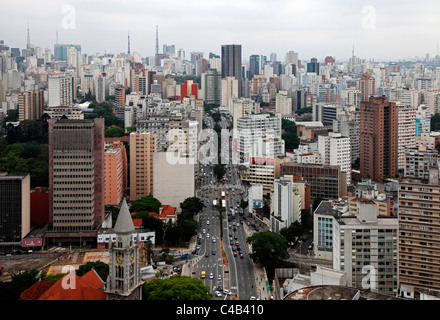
(366, 243)
(101, 87)
(243, 107)
(273, 57)
(378, 138)
(313, 66)
(326, 181)
(115, 173)
(119, 96)
(88, 84)
(30, 105)
(229, 90)
(286, 205)
(367, 86)
(61, 51)
(188, 89)
(124, 279)
(231, 63)
(329, 60)
(142, 147)
(254, 65)
(292, 58)
(335, 150)
(15, 215)
(419, 225)
(76, 179)
(211, 87)
(169, 49)
(283, 103)
(406, 132)
(60, 87)
(181, 54)
(348, 124)
(258, 135)
(262, 172)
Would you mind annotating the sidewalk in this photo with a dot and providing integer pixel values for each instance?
(260, 276)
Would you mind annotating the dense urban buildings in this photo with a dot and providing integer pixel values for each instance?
(338, 157)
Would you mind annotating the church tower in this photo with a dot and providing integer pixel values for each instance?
(124, 280)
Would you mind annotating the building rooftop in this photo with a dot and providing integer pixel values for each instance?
(331, 292)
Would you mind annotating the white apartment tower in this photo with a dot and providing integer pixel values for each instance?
(335, 151)
(60, 90)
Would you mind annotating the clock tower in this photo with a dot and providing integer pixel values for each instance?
(124, 279)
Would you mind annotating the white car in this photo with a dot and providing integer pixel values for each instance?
(217, 293)
(219, 277)
(226, 291)
(211, 276)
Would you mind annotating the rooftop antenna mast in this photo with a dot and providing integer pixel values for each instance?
(28, 46)
(128, 42)
(157, 40)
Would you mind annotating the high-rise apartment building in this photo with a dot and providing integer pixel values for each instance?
(313, 66)
(231, 63)
(406, 132)
(419, 227)
(142, 147)
(378, 138)
(283, 103)
(60, 87)
(335, 150)
(115, 173)
(367, 86)
(30, 105)
(366, 245)
(347, 123)
(229, 91)
(76, 178)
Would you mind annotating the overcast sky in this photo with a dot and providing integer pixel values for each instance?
(379, 30)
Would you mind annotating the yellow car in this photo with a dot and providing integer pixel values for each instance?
(203, 275)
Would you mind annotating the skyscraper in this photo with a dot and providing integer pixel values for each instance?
(231, 63)
(378, 138)
(60, 90)
(76, 179)
(254, 65)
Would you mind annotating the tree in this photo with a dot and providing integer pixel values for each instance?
(292, 232)
(114, 132)
(147, 203)
(176, 288)
(290, 136)
(192, 205)
(244, 204)
(219, 171)
(19, 282)
(268, 248)
(101, 268)
(152, 223)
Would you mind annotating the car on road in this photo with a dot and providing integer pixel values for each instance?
(226, 291)
(235, 254)
(217, 293)
(211, 276)
(213, 252)
(203, 274)
(206, 254)
(241, 255)
(219, 277)
(213, 240)
(207, 222)
(253, 298)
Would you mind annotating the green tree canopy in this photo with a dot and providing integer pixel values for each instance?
(147, 203)
(192, 205)
(153, 224)
(114, 132)
(268, 248)
(176, 288)
(293, 231)
(101, 268)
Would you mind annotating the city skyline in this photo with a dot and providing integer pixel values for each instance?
(313, 29)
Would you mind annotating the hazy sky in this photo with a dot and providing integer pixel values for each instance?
(379, 30)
